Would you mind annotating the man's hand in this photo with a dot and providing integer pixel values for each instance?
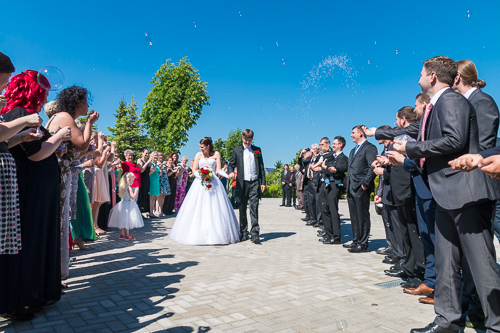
(382, 160)
(400, 147)
(231, 175)
(467, 162)
(370, 131)
(375, 164)
(363, 187)
(282, 183)
(395, 158)
(290, 184)
(378, 171)
(332, 169)
(317, 169)
(262, 188)
(377, 199)
(113, 144)
(491, 166)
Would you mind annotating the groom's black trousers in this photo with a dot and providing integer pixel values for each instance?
(329, 203)
(250, 195)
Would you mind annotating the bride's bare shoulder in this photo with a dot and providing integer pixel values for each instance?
(216, 154)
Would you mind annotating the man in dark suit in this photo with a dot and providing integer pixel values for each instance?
(312, 173)
(465, 201)
(329, 194)
(305, 158)
(404, 197)
(250, 183)
(285, 180)
(360, 185)
(291, 188)
(298, 185)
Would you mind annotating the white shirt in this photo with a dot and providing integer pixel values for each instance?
(469, 92)
(436, 96)
(249, 171)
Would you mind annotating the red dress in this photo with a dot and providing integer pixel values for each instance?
(132, 167)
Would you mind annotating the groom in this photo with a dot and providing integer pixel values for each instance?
(250, 182)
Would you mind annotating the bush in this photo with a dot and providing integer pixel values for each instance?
(272, 191)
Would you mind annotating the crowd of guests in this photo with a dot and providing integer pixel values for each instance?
(59, 183)
(437, 190)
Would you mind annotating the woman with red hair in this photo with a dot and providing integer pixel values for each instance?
(34, 275)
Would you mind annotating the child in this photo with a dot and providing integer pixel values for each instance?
(329, 160)
(126, 214)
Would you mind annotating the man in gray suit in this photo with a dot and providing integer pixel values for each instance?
(359, 186)
(298, 184)
(464, 200)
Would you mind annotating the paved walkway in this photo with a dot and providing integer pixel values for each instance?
(288, 283)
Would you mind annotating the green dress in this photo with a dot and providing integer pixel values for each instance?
(82, 224)
(154, 182)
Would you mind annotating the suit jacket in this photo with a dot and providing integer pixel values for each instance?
(360, 170)
(487, 118)
(451, 131)
(236, 160)
(298, 180)
(341, 164)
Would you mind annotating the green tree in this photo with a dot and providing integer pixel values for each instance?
(128, 131)
(174, 104)
(225, 147)
(278, 165)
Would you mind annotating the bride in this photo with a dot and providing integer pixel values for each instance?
(206, 217)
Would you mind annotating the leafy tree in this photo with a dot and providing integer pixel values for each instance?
(225, 147)
(174, 104)
(278, 165)
(128, 131)
(84, 120)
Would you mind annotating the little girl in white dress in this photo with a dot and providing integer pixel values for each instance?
(126, 214)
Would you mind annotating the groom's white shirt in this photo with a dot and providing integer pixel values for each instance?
(250, 173)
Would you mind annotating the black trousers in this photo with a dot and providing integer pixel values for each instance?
(466, 232)
(310, 193)
(414, 264)
(287, 193)
(393, 230)
(283, 193)
(329, 203)
(250, 196)
(294, 195)
(359, 210)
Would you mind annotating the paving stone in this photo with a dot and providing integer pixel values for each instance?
(288, 283)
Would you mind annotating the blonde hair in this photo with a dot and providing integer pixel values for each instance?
(50, 108)
(122, 186)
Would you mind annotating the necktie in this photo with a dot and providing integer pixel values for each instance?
(355, 150)
(422, 132)
(310, 173)
(291, 177)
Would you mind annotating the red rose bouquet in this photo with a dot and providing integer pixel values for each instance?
(207, 176)
(257, 153)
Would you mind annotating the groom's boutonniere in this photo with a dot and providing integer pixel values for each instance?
(257, 153)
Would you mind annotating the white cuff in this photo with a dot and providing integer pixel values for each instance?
(223, 174)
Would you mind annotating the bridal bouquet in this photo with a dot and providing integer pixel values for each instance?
(207, 176)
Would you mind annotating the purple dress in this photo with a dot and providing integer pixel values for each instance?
(180, 193)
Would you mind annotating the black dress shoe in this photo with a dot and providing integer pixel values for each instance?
(391, 261)
(323, 239)
(433, 328)
(244, 237)
(321, 233)
(411, 283)
(288, 206)
(396, 267)
(310, 222)
(332, 241)
(358, 249)
(399, 273)
(305, 219)
(348, 246)
(282, 205)
(255, 239)
(317, 225)
(385, 250)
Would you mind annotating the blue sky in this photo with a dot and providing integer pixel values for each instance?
(254, 56)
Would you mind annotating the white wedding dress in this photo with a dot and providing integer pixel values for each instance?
(206, 217)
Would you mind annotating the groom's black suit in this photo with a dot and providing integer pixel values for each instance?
(248, 191)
